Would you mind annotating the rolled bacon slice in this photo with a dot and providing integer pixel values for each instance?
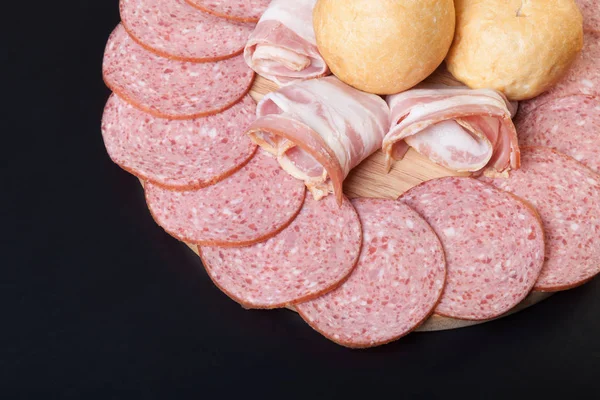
(283, 47)
(319, 130)
(459, 128)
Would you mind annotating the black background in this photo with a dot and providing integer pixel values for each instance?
(97, 301)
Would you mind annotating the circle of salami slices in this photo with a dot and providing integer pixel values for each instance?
(494, 245)
(316, 252)
(182, 155)
(174, 29)
(365, 272)
(583, 77)
(250, 206)
(395, 286)
(570, 125)
(169, 88)
(567, 196)
(238, 10)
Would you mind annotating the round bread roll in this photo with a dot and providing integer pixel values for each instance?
(519, 47)
(383, 46)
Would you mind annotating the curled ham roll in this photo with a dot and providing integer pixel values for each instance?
(319, 130)
(456, 127)
(283, 47)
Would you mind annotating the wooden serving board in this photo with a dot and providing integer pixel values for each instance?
(369, 179)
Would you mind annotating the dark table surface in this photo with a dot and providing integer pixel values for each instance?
(98, 302)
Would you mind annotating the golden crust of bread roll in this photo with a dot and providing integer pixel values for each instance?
(520, 47)
(383, 46)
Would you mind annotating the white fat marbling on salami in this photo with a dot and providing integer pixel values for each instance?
(239, 10)
(567, 197)
(169, 88)
(590, 9)
(187, 154)
(248, 207)
(395, 286)
(582, 78)
(174, 29)
(308, 258)
(570, 125)
(494, 245)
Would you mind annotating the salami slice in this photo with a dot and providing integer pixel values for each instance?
(567, 196)
(174, 29)
(570, 125)
(181, 155)
(582, 78)
(395, 286)
(494, 245)
(238, 10)
(168, 88)
(590, 9)
(250, 206)
(316, 252)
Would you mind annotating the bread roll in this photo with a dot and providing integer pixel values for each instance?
(383, 46)
(519, 47)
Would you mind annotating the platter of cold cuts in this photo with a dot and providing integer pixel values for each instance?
(376, 176)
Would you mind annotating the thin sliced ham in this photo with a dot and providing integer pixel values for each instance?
(456, 127)
(283, 47)
(319, 130)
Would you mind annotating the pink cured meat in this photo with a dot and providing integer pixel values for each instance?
(590, 9)
(459, 128)
(494, 245)
(250, 206)
(582, 78)
(570, 125)
(174, 29)
(283, 47)
(567, 196)
(168, 88)
(319, 130)
(316, 252)
(396, 284)
(239, 10)
(181, 155)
